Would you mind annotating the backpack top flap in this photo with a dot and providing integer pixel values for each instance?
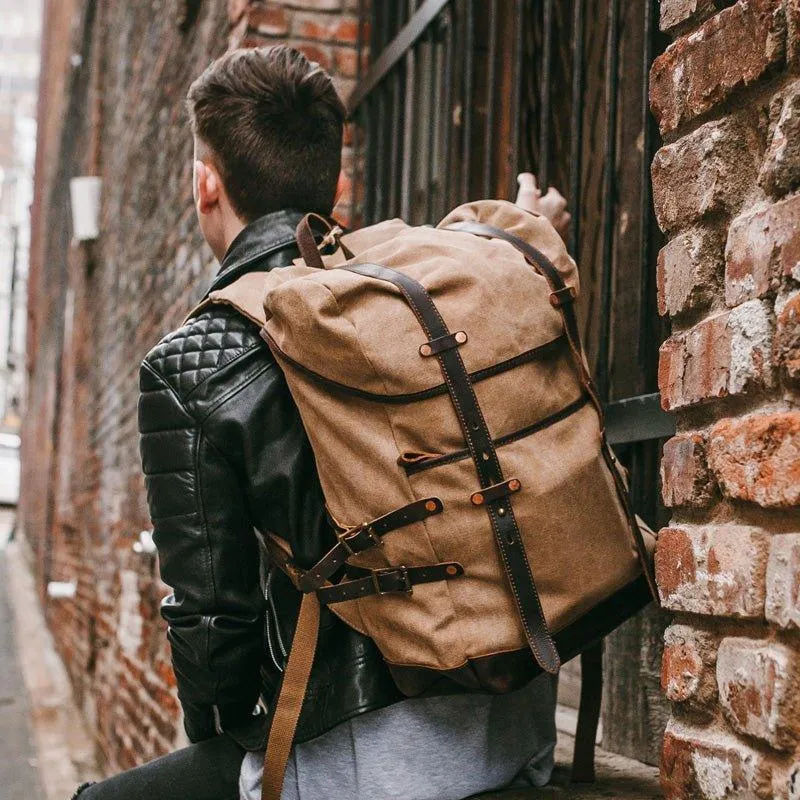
(358, 332)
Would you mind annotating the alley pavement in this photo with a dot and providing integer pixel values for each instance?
(19, 774)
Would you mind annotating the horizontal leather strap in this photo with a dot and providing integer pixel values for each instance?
(496, 492)
(448, 342)
(390, 580)
(357, 540)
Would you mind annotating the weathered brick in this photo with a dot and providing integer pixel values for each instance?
(732, 49)
(688, 271)
(786, 350)
(718, 570)
(321, 55)
(326, 27)
(726, 354)
(757, 458)
(708, 764)
(679, 14)
(759, 690)
(763, 248)
(685, 478)
(312, 5)
(709, 170)
(781, 170)
(783, 581)
(268, 20)
(688, 667)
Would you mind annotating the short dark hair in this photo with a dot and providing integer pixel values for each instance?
(273, 122)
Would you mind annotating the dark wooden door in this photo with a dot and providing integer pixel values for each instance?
(461, 96)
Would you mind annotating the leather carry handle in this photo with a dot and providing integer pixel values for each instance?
(290, 699)
(307, 241)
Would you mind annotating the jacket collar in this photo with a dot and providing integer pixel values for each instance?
(260, 246)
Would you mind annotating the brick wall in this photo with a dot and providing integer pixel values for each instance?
(726, 95)
(111, 104)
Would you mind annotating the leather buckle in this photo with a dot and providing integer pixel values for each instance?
(345, 537)
(407, 587)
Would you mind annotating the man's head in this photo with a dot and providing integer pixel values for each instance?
(267, 126)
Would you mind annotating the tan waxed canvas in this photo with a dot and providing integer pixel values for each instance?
(329, 327)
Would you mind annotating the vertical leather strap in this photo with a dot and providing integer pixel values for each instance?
(306, 242)
(290, 698)
(487, 465)
(588, 714)
(542, 264)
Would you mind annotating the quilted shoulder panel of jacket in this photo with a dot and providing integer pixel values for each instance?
(190, 355)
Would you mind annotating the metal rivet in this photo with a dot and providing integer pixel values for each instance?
(511, 539)
(477, 499)
(501, 511)
(514, 485)
(425, 350)
(431, 506)
(451, 570)
(485, 455)
(461, 337)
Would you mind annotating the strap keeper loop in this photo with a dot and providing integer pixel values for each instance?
(559, 297)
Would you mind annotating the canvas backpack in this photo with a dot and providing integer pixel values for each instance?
(484, 528)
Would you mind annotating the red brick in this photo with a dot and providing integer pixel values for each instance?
(786, 350)
(315, 53)
(688, 668)
(345, 62)
(759, 690)
(708, 764)
(326, 28)
(783, 581)
(268, 21)
(718, 570)
(677, 15)
(757, 458)
(763, 248)
(723, 355)
(685, 479)
(781, 170)
(708, 171)
(733, 49)
(688, 270)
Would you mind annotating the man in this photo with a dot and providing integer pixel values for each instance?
(226, 459)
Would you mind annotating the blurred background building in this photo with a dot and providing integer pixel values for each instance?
(680, 165)
(19, 72)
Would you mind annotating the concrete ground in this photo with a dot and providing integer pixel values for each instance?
(47, 750)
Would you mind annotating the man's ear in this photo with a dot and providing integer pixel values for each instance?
(207, 187)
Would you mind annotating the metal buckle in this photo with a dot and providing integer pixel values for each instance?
(407, 587)
(345, 537)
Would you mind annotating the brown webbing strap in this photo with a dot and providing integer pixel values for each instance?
(588, 714)
(290, 699)
(306, 242)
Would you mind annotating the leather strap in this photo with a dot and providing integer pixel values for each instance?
(389, 580)
(357, 540)
(290, 699)
(443, 343)
(588, 714)
(306, 241)
(564, 303)
(482, 449)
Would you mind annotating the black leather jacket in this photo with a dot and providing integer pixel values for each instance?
(225, 456)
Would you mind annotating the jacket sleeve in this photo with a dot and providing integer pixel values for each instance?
(208, 555)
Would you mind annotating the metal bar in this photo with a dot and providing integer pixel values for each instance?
(516, 98)
(466, 114)
(609, 200)
(647, 312)
(397, 124)
(576, 126)
(395, 50)
(488, 138)
(406, 187)
(638, 419)
(433, 122)
(447, 115)
(382, 126)
(543, 176)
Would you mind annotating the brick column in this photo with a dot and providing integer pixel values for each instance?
(326, 31)
(726, 94)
